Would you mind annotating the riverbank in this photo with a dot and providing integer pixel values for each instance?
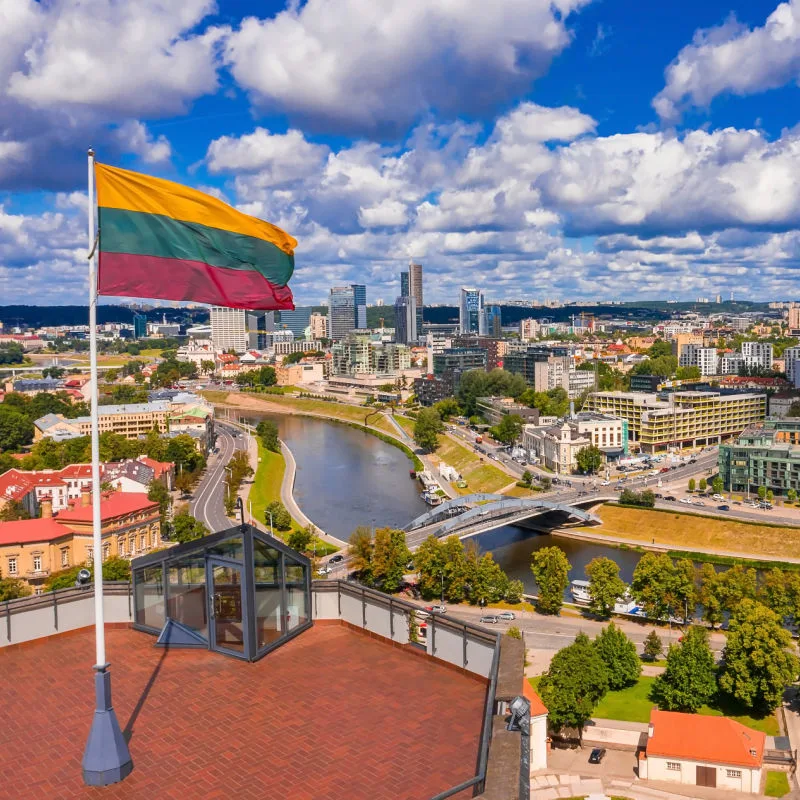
(673, 531)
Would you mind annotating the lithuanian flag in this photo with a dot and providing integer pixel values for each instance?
(163, 240)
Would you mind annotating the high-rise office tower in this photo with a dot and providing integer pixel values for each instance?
(490, 322)
(405, 320)
(228, 328)
(360, 305)
(415, 275)
(319, 326)
(341, 312)
(405, 285)
(297, 320)
(259, 324)
(139, 326)
(470, 307)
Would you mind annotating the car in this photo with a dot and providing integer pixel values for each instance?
(508, 615)
(324, 570)
(718, 497)
(658, 496)
(606, 483)
(765, 505)
(337, 559)
(687, 500)
(723, 508)
(597, 755)
(664, 469)
(670, 497)
(436, 609)
(698, 503)
(490, 619)
(692, 460)
(737, 502)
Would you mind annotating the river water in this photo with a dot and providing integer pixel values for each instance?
(346, 478)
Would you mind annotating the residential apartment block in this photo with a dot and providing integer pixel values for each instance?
(704, 358)
(229, 328)
(131, 420)
(687, 419)
(757, 354)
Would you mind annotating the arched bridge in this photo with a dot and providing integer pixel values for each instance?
(461, 516)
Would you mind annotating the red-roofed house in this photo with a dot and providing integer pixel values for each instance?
(33, 548)
(702, 751)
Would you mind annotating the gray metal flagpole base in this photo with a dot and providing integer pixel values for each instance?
(106, 759)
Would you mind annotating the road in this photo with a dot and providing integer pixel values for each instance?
(207, 504)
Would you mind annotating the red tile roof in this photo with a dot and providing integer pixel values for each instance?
(14, 485)
(158, 467)
(115, 505)
(26, 531)
(537, 706)
(699, 738)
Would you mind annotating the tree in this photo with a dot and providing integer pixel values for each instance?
(207, 366)
(770, 495)
(736, 584)
(267, 431)
(758, 658)
(762, 492)
(683, 592)
(550, 568)
(515, 591)
(489, 583)
(447, 408)
(12, 588)
(547, 483)
(360, 549)
(13, 510)
(185, 528)
(390, 554)
(652, 584)
(300, 540)
(691, 373)
(16, 430)
(413, 626)
(427, 428)
(717, 485)
(688, 681)
(703, 485)
(644, 499)
(652, 646)
(509, 429)
(589, 459)
(429, 562)
(619, 655)
(184, 482)
(264, 376)
(692, 484)
(574, 683)
(276, 515)
(527, 477)
(774, 593)
(605, 585)
(158, 493)
(791, 495)
(660, 347)
(709, 595)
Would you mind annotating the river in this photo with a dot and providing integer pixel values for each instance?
(346, 478)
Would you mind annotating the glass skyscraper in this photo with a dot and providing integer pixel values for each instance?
(297, 321)
(360, 305)
(470, 308)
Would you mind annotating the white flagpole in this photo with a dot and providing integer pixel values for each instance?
(97, 543)
(106, 759)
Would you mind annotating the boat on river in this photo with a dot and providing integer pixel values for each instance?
(431, 498)
(582, 596)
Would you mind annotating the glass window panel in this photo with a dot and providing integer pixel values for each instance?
(266, 569)
(186, 602)
(228, 612)
(296, 579)
(228, 548)
(149, 597)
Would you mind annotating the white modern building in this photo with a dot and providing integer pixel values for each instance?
(529, 330)
(791, 357)
(229, 328)
(757, 354)
(704, 358)
(730, 364)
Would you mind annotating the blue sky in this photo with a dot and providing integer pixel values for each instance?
(541, 149)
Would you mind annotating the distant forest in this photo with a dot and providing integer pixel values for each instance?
(645, 311)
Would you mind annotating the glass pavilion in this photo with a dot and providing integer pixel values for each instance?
(239, 591)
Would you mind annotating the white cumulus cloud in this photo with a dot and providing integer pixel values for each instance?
(734, 59)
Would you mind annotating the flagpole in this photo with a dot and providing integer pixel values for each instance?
(106, 759)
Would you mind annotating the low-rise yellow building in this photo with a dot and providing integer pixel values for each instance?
(32, 549)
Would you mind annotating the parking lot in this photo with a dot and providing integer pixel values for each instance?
(615, 763)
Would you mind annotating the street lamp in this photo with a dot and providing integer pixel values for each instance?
(441, 575)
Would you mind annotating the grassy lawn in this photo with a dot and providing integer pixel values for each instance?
(687, 530)
(634, 704)
(777, 784)
(405, 423)
(480, 476)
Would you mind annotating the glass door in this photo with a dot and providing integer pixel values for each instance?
(226, 609)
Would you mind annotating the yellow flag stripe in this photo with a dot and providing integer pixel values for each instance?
(132, 191)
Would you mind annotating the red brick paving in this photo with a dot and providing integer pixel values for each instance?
(331, 715)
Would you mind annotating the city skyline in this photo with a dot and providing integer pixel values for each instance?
(551, 181)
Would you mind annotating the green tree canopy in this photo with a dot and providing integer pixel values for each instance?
(12, 588)
(300, 539)
(589, 459)
(709, 595)
(427, 428)
(573, 684)
(267, 431)
(652, 584)
(605, 585)
(736, 584)
(509, 429)
(185, 528)
(280, 517)
(619, 655)
(550, 568)
(759, 659)
(653, 646)
(390, 554)
(688, 681)
(660, 347)
(360, 550)
(498, 383)
(16, 430)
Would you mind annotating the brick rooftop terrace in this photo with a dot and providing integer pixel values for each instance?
(331, 715)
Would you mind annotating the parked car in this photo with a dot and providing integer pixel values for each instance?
(718, 497)
(723, 508)
(506, 615)
(337, 559)
(437, 609)
(664, 469)
(323, 570)
(670, 497)
(765, 505)
(490, 619)
(658, 496)
(606, 483)
(597, 755)
(687, 500)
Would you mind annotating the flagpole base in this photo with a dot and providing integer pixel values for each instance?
(106, 759)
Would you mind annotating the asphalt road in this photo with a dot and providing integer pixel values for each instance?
(207, 504)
